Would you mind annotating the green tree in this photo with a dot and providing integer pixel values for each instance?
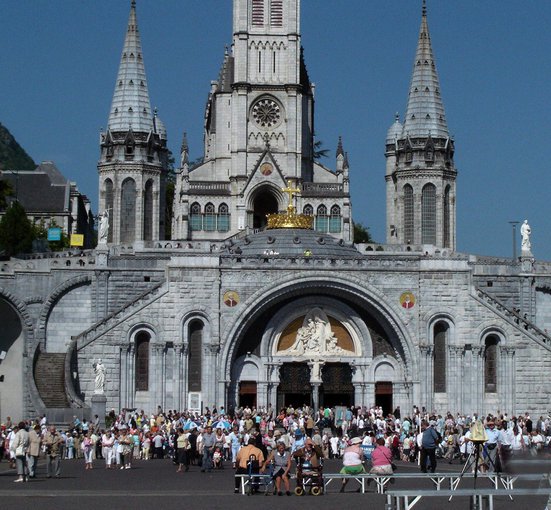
(319, 151)
(6, 190)
(362, 234)
(16, 231)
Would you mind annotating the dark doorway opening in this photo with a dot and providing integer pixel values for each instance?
(264, 203)
(337, 388)
(383, 396)
(294, 388)
(247, 394)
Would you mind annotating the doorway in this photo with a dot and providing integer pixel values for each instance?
(264, 203)
(294, 388)
(383, 396)
(337, 388)
(247, 394)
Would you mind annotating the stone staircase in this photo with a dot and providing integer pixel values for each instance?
(528, 328)
(49, 376)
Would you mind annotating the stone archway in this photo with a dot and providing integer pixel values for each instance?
(265, 202)
(12, 346)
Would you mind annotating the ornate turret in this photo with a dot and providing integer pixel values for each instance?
(134, 154)
(420, 172)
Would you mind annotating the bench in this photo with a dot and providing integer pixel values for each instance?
(409, 498)
(263, 479)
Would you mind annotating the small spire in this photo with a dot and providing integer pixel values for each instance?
(340, 150)
(184, 151)
(345, 164)
(425, 109)
(131, 97)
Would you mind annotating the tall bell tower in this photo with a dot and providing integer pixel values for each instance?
(420, 171)
(259, 134)
(134, 154)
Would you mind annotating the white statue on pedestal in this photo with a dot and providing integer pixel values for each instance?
(525, 232)
(99, 370)
(103, 228)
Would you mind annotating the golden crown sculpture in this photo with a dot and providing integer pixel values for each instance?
(290, 219)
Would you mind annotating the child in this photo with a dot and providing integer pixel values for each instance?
(217, 458)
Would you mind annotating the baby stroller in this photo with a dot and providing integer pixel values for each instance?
(309, 477)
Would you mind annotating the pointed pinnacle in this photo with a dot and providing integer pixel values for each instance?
(424, 10)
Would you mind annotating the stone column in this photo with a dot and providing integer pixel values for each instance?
(454, 377)
(507, 379)
(184, 374)
(102, 287)
(155, 390)
(477, 388)
(426, 377)
(210, 374)
(316, 396)
(178, 375)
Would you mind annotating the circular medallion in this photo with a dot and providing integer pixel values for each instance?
(266, 169)
(407, 300)
(266, 113)
(231, 298)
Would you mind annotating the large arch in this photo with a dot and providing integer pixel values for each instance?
(264, 199)
(370, 304)
(12, 360)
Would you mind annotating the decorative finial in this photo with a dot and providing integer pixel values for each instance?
(133, 4)
(424, 11)
(397, 117)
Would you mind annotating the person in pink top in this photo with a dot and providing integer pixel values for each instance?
(381, 459)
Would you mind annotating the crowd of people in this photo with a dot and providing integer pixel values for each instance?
(216, 439)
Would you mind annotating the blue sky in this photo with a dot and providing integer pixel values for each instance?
(60, 58)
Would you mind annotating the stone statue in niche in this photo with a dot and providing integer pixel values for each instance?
(315, 338)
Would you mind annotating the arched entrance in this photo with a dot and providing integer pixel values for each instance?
(337, 388)
(11, 350)
(264, 203)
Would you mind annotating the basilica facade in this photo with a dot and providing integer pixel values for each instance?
(260, 296)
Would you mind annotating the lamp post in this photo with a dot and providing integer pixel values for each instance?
(514, 227)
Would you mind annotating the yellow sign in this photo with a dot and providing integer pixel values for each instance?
(77, 240)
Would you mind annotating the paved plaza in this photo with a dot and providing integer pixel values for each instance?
(155, 484)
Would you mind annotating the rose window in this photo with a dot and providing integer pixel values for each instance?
(266, 113)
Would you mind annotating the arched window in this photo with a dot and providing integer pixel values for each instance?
(490, 364)
(447, 230)
(148, 211)
(335, 219)
(223, 218)
(439, 366)
(209, 220)
(195, 217)
(195, 355)
(409, 223)
(109, 197)
(142, 360)
(428, 214)
(308, 210)
(128, 211)
(322, 221)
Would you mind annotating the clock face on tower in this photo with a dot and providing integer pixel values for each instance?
(266, 113)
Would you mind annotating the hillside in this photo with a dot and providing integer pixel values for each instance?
(12, 155)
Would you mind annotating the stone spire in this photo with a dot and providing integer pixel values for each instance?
(425, 110)
(131, 107)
